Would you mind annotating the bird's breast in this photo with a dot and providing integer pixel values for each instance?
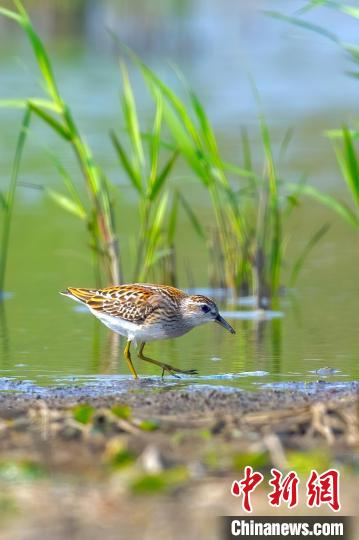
(149, 331)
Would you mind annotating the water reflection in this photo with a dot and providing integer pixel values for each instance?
(43, 339)
(112, 353)
(276, 342)
(258, 345)
(4, 335)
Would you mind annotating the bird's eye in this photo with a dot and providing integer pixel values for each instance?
(205, 308)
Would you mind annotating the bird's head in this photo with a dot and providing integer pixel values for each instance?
(198, 309)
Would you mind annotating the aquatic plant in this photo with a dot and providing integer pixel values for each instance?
(345, 152)
(157, 215)
(97, 212)
(247, 246)
(247, 241)
(197, 144)
(349, 164)
(7, 199)
(148, 178)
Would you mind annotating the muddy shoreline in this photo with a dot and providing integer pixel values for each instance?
(129, 458)
(151, 395)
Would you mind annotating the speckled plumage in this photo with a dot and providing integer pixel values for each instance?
(134, 303)
(145, 312)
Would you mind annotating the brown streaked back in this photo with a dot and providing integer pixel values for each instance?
(133, 302)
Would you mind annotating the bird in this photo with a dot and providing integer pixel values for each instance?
(145, 312)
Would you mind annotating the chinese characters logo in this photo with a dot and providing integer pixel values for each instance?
(320, 488)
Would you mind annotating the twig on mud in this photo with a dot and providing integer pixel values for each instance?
(128, 427)
(276, 451)
(42, 409)
(331, 419)
(334, 420)
(319, 423)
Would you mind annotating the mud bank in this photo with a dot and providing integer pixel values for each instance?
(150, 459)
(151, 395)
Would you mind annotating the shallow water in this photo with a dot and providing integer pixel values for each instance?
(45, 340)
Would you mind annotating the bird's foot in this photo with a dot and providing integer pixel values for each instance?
(174, 371)
(166, 367)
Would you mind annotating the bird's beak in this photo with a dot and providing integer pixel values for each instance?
(224, 323)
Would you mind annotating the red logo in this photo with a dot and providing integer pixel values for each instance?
(324, 489)
(321, 488)
(284, 489)
(245, 487)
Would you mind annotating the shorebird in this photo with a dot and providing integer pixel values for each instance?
(143, 313)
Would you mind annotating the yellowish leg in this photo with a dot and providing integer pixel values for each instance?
(127, 355)
(165, 367)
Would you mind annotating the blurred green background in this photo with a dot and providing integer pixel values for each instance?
(303, 85)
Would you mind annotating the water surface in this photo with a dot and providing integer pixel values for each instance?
(44, 339)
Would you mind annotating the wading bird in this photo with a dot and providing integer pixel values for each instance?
(144, 313)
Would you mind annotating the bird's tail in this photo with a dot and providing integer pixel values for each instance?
(80, 295)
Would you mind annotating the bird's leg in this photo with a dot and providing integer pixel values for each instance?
(127, 355)
(165, 367)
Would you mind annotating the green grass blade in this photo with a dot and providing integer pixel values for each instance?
(293, 199)
(192, 217)
(162, 177)
(353, 74)
(126, 163)
(40, 53)
(349, 165)
(330, 202)
(172, 221)
(10, 198)
(338, 133)
(10, 14)
(159, 217)
(272, 220)
(102, 221)
(205, 125)
(160, 254)
(66, 203)
(234, 212)
(154, 234)
(185, 144)
(52, 122)
(147, 136)
(313, 4)
(288, 135)
(23, 103)
(14, 103)
(317, 236)
(350, 10)
(247, 156)
(270, 165)
(3, 203)
(303, 24)
(70, 185)
(155, 140)
(189, 139)
(240, 171)
(155, 82)
(131, 119)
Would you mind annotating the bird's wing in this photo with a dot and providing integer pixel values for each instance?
(133, 303)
